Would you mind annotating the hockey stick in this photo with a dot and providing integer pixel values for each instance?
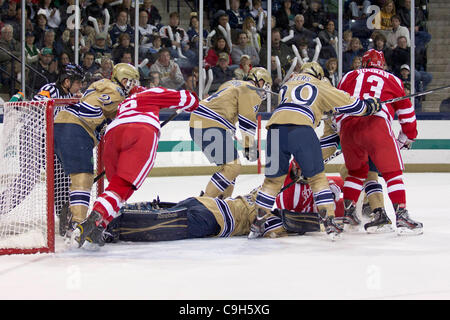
(334, 155)
(261, 89)
(418, 94)
(172, 116)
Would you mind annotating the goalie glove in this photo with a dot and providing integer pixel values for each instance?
(403, 141)
(251, 154)
(373, 105)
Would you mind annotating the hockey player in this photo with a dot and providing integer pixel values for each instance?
(303, 101)
(199, 217)
(131, 142)
(68, 85)
(373, 137)
(78, 129)
(299, 197)
(212, 128)
(373, 200)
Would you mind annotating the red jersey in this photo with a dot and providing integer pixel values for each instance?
(300, 198)
(144, 107)
(372, 82)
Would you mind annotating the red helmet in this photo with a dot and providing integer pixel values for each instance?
(373, 59)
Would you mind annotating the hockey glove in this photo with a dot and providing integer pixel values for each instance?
(373, 105)
(251, 154)
(404, 142)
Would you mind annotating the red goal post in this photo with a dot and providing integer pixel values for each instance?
(33, 185)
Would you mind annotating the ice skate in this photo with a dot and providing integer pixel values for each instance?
(332, 228)
(88, 230)
(380, 222)
(406, 225)
(350, 216)
(257, 228)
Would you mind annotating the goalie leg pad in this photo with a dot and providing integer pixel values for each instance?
(141, 222)
(137, 224)
(300, 222)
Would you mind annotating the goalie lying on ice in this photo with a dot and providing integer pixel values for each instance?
(199, 217)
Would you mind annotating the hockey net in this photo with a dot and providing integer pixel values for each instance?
(33, 185)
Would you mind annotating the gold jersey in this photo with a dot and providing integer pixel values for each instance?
(304, 100)
(98, 105)
(233, 102)
(235, 216)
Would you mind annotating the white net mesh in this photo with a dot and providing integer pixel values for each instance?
(23, 177)
(23, 189)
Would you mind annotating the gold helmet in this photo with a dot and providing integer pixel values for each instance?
(127, 71)
(314, 69)
(257, 74)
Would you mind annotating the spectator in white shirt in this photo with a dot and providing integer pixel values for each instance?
(396, 32)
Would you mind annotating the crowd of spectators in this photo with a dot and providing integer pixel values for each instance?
(234, 39)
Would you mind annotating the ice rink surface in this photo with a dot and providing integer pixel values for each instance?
(359, 266)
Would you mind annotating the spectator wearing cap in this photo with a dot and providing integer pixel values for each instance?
(47, 67)
(243, 47)
(245, 65)
(124, 45)
(32, 52)
(171, 76)
(212, 56)
(100, 47)
(221, 72)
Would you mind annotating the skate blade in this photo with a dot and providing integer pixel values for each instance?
(333, 236)
(90, 246)
(403, 231)
(352, 228)
(253, 235)
(380, 229)
(75, 239)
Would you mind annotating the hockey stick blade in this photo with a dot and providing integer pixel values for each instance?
(418, 94)
(261, 89)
